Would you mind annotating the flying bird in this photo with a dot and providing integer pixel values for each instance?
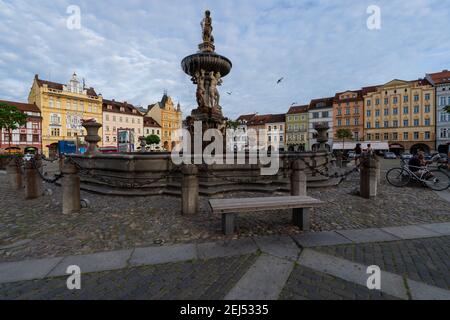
(229, 93)
(279, 80)
(293, 103)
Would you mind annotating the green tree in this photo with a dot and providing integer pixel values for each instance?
(447, 109)
(152, 139)
(232, 124)
(11, 119)
(344, 134)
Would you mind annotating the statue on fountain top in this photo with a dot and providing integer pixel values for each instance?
(208, 38)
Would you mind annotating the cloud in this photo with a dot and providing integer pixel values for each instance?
(132, 50)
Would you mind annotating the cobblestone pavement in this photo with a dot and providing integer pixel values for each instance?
(424, 260)
(36, 228)
(307, 284)
(200, 279)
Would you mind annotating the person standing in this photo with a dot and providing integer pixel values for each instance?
(358, 152)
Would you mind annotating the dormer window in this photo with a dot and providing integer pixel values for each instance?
(109, 107)
(122, 109)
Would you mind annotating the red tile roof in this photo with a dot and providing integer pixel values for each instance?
(246, 117)
(150, 122)
(298, 109)
(116, 105)
(440, 77)
(321, 103)
(22, 106)
(276, 118)
(259, 120)
(359, 96)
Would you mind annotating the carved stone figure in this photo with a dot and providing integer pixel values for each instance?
(207, 28)
(199, 80)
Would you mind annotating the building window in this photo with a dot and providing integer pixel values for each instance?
(405, 135)
(395, 123)
(107, 117)
(386, 136)
(35, 138)
(416, 97)
(416, 122)
(395, 136)
(427, 109)
(356, 122)
(347, 111)
(405, 110)
(405, 99)
(444, 133)
(442, 102)
(416, 136)
(405, 123)
(427, 135)
(339, 122)
(23, 138)
(377, 113)
(427, 122)
(107, 138)
(395, 111)
(325, 114)
(369, 103)
(50, 102)
(386, 112)
(377, 124)
(395, 101)
(443, 117)
(377, 136)
(416, 109)
(386, 101)
(369, 113)
(369, 137)
(55, 132)
(368, 125)
(427, 96)
(377, 102)
(386, 124)
(315, 115)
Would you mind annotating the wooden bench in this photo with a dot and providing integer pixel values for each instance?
(230, 207)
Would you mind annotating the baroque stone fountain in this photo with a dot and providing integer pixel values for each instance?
(145, 173)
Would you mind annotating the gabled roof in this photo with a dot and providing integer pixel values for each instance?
(359, 96)
(439, 77)
(276, 118)
(150, 122)
(116, 105)
(22, 106)
(246, 117)
(321, 103)
(259, 120)
(298, 109)
(59, 86)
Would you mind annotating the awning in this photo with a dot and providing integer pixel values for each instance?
(352, 145)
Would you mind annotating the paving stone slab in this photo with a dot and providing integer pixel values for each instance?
(423, 291)
(264, 280)
(212, 250)
(280, 246)
(391, 284)
(367, 235)
(102, 261)
(326, 238)
(26, 270)
(159, 255)
(411, 232)
(442, 228)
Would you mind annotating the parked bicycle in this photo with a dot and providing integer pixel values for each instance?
(435, 179)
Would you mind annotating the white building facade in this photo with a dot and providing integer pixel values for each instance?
(320, 111)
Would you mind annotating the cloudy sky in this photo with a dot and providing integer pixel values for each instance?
(131, 50)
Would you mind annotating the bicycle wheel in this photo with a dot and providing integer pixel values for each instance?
(438, 180)
(398, 177)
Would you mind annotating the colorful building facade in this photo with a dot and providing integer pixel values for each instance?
(27, 137)
(441, 82)
(297, 124)
(151, 127)
(63, 107)
(121, 115)
(348, 113)
(403, 114)
(320, 111)
(275, 131)
(170, 119)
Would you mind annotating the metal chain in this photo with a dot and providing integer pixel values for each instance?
(44, 178)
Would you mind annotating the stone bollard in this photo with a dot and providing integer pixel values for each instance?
(14, 174)
(368, 177)
(300, 216)
(378, 169)
(189, 190)
(70, 188)
(33, 182)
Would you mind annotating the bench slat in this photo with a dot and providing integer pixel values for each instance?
(262, 204)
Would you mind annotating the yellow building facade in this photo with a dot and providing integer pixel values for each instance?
(63, 107)
(169, 118)
(401, 113)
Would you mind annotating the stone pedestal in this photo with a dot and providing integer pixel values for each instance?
(378, 169)
(14, 174)
(368, 177)
(300, 217)
(298, 178)
(189, 190)
(70, 188)
(33, 182)
(92, 137)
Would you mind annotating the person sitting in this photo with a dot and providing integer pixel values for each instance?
(417, 164)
